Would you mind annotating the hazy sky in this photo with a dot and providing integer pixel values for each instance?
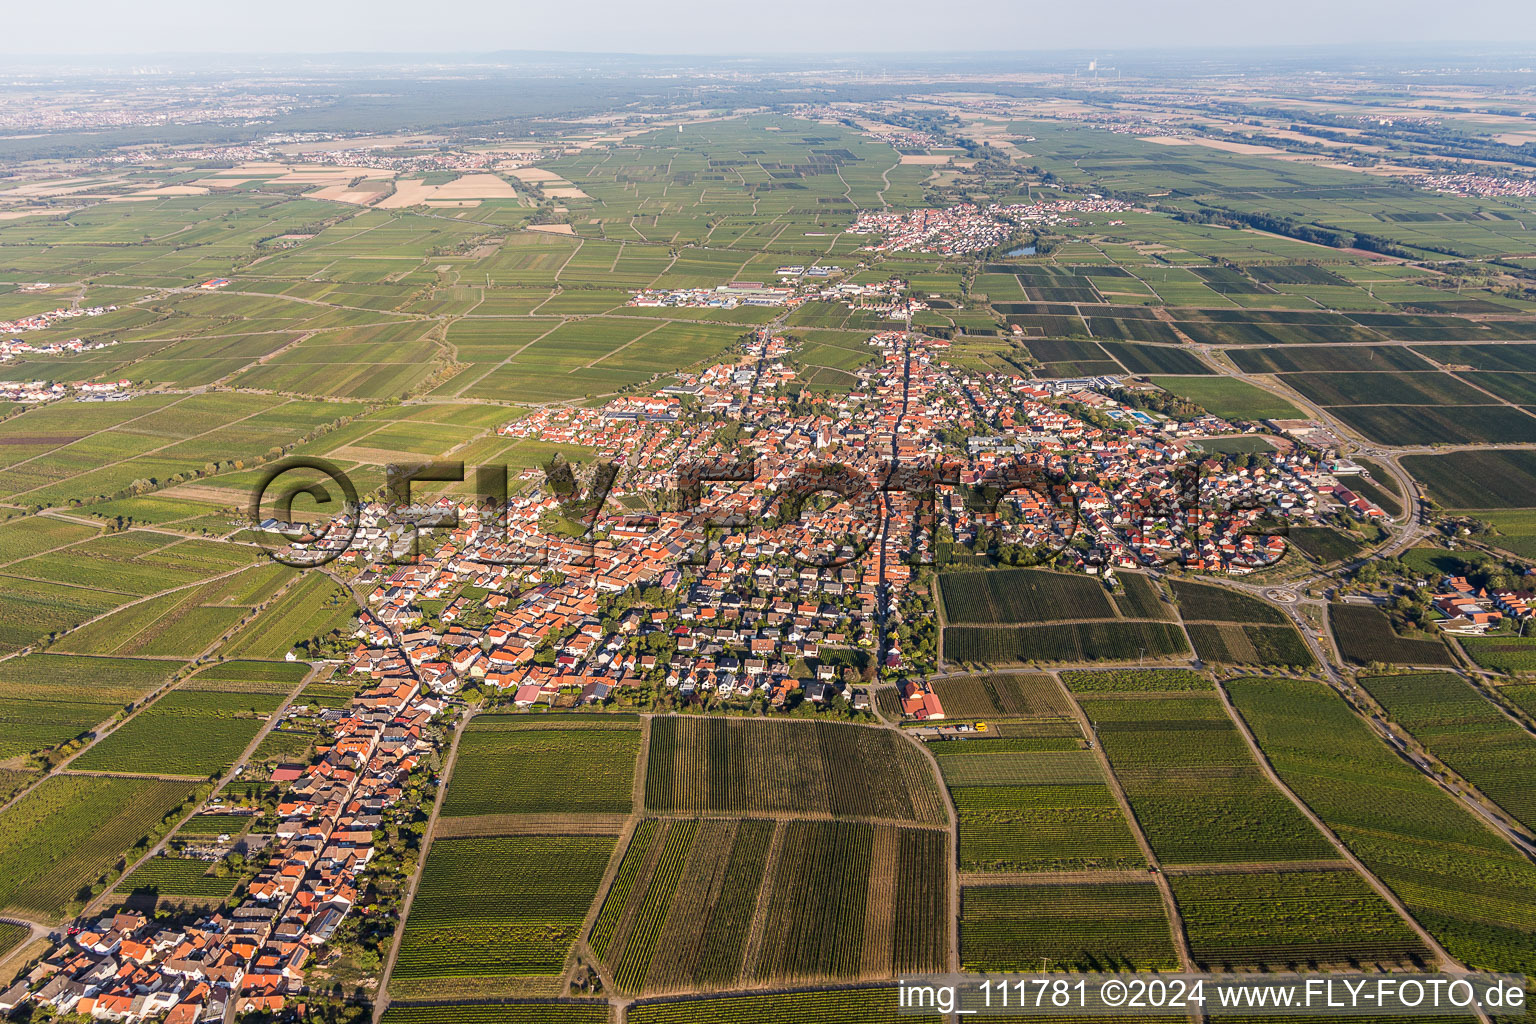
(732, 26)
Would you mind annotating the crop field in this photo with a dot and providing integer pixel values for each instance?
(1471, 890)
(1183, 764)
(72, 833)
(1022, 595)
(1010, 696)
(1035, 810)
(1095, 926)
(1508, 654)
(1293, 920)
(1203, 602)
(1467, 732)
(1128, 680)
(176, 880)
(1229, 398)
(216, 824)
(527, 1012)
(1139, 598)
(680, 914)
(1068, 641)
(500, 907)
(856, 1005)
(51, 698)
(1233, 644)
(312, 607)
(214, 727)
(806, 768)
(1425, 425)
(1365, 636)
(532, 770)
(1484, 480)
(1328, 545)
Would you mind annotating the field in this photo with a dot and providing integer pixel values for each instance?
(1294, 920)
(1483, 480)
(1034, 810)
(51, 698)
(1096, 926)
(1068, 641)
(1508, 654)
(1011, 696)
(1279, 646)
(499, 1013)
(1365, 636)
(1125, 680)
(493, 908)
(1467, 732)
(311, 607)
(69, 837)
(860, 1005)
(1022, 596)
(681, 914)
(747, 766)
(1229, 398)
(213, 727)
(508, 765)
(1470, 889)
(1203, 602)
(1183, 764)
(175, 880)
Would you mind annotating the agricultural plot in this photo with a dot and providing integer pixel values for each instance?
(1011, 696)
(508, 765)
(1022, 595)
(311, 607)
(1472, 891)
(68, 836)
(1127, 680)
(213, 726)
(527, 1012)
(1483, 480)
(858, 1006)
(1292, 920)
(1139, 598)
(680, 914)
(50, 698)
(1203, 602)
(492, 909)
(1508, 654)
(1467, 732)
(1428, 425)
(175, 880)
(1067, 641)
(1326, 544)
(1230, 398)
(1035, 810)
(1095, 926)
(817, 768)
(1365, 637)
(1183, 764)
(1232, 644)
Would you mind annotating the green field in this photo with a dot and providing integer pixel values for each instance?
(1183, 764)
(514, 770)
(500, 907)
(746, 767)
(1470, 889)
(68, 837)
(1466, 731)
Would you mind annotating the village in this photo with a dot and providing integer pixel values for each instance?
(251, 956)
(691, 579)
(966, 228)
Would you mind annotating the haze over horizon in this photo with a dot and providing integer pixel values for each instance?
(696, 27)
